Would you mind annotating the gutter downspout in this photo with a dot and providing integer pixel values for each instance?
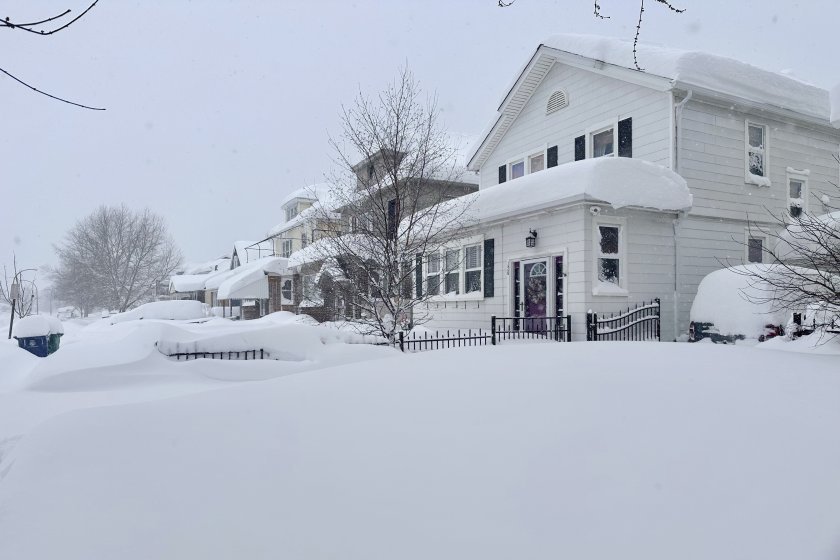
(678, 109)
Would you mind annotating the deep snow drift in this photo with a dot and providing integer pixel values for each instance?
(579, 450)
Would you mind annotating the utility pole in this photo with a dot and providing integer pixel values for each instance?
(14, 293)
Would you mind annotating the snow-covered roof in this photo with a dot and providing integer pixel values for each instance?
(616, 181)
(207, 266)
(309, 192)
(703, 70)
(215, 279)
(321, 196)
(675, 68)
(248, 251)
(249, 280)
(328, 247)
(187, 282)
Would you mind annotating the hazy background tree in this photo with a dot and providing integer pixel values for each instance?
(27, 290)
(386, 211)
(114, 258)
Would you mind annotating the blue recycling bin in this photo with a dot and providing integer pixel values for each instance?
(38, 345)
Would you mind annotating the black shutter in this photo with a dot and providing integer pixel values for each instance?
(392, 219)
(502, 173)
(489, 261)
(625, 138)
(580, 148)
(418, 275)
(552, 157)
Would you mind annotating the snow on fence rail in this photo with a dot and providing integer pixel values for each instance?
(636, 324)
(232, 355)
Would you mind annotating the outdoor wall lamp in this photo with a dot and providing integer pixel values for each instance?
(531, 240)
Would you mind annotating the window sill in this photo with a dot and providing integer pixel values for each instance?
(757, 180)
(609, 290)
(472, 296)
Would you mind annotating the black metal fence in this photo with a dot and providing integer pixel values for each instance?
(557, 329)
(637, 324)
(234, 355)
(416, 342)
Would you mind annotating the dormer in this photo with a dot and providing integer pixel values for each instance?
(377, 167)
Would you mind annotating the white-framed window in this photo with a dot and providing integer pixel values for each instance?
(433, 274)
(517, 169)
(456, 269)
(286, 290)
(603, 143)
(472, 268)
(310, 289)
(602, 139)
(291, 211)
(536, 162)
(286, 248)
(755, 247)
(797, 187)
(610, 248)
(452, 275)
(755, 156)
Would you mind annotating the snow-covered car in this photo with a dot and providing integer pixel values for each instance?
(731, 304)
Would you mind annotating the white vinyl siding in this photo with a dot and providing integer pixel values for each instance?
(594, 97)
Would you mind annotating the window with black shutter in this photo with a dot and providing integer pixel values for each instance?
(552, 157)
(489, 258)
(580, 148)
(625, 138)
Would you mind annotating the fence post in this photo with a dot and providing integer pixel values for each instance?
(568, 334)
(659, 320)
(493, 330)
(402, 341)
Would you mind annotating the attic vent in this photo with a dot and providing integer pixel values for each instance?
(557, 101)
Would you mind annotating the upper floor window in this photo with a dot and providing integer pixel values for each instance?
(536, 162)
(797, 191)
(286, 248)
(756, 154)
(291, 211)
(517, 169)
(603, 143)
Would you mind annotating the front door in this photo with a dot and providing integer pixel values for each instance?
(534, 296)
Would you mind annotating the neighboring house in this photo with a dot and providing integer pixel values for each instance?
(237, 292)
(188, 283)
(318, 286)
(749, 144)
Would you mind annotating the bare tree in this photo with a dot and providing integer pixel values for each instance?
(18, 288)
(44, 28)
(115, 257)
(397, 198)
(600, 15)
(805, 251)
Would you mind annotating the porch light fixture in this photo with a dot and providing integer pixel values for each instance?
(531, 240)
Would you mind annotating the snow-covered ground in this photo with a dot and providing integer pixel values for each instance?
(108, 449)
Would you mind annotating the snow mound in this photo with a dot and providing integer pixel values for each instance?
(179, 310)
(452, 454)
(724, 299)
(37, 325)
(702, 70)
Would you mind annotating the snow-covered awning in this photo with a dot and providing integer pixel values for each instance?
(187, 283)
(619, 182)
(250, 280)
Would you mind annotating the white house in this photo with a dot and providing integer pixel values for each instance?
(748, 143)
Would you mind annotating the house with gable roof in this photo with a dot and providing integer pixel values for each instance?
(709, 146)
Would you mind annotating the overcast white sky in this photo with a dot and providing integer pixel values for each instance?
(216, 109)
